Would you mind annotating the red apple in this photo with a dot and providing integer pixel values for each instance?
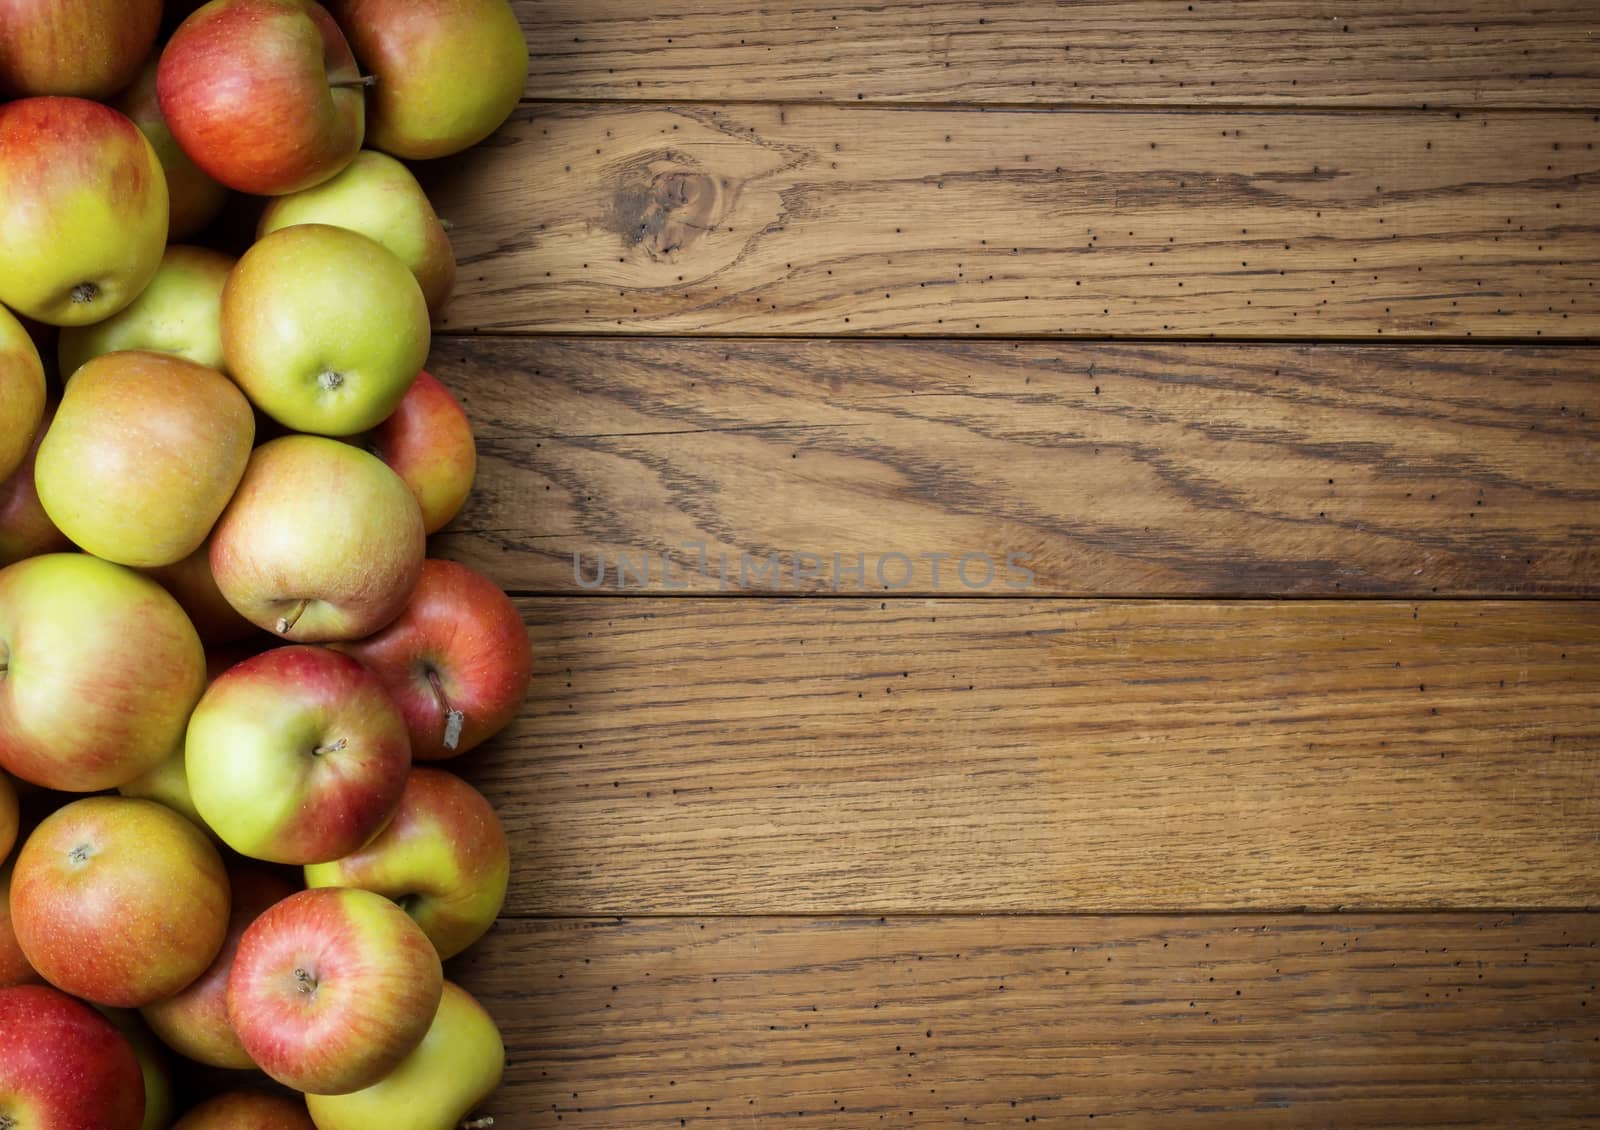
(63, 1066)
(194, 1023)
(443, 858)
(264, 95)
(193, 198)
(456, 660)
(25, 529)
(14, 967)
(428, 443)
(296, 756)
(331, 989)
(247, 1110)
(191, 584)
(87, 48)
(119, 901)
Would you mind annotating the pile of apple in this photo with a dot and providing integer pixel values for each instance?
(217, 616)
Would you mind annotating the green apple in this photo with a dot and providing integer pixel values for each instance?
(145, 451)
(443, 858)
(193, 198)
(152, 1065)
(180, 312)
(22, 392)
(448, 71)
(101, 670)
(324, 329)
(455, 1068)
(378, 197)
(83, 210)
(321, 542)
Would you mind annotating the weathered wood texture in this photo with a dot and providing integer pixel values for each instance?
(702, 755)
(1152, 52)
(1353, 1022)
(843, 220)
(1134, 469)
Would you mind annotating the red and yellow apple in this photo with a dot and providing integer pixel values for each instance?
(25, 529)
(331, 989)
(14, 967)
(191, 584)
(22, 392)
(119, 901)
(247, 1110)
(443, 858)
(87, 48)
(193, 198)
(428, 443)
(64, 1065)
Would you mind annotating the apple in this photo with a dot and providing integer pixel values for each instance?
(194, 1023)
(153, 1067)
(428, 442)
(443, 858)
(247, 1110)
(180, 312)
(10, 816)
(378, 197)
(456, 660)
(264, 95)
(190, 582)
(83, 210)
(455, 1068)
(448, 71)
(88, 48)
(331, 989)
(324, 329)
(145, 451)
(119, 901)
(63, 1065)
(14, 967)
(22, 391)
(99, 669)
(321, 541)
(193, 198)
(25, 529)
(296, 756)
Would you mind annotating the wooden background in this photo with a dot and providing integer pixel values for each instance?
(1264, 334)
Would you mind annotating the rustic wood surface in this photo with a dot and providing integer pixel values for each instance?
(1133, 469)
(822, 756)
(1352, 1021)
(760, 219)
(1257, 52)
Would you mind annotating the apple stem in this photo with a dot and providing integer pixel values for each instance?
(364, 80)
(289, 621)
(453, 718)
(334, 747)
(307, 983)
(447, 225)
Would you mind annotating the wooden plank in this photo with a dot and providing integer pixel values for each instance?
(1143, 470)
(704, 755)
(828, 220)
(1350, 1021)
(1262, 52)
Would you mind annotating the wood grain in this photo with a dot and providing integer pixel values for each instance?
(1348, 1021)
(704, 755)
(829, 220)
(1134, 469)
(1464, 53)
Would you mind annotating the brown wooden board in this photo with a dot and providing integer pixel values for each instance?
(1466, 53)
(1134, 469)
(742, 756)
(829, 220)
(1349, 1021)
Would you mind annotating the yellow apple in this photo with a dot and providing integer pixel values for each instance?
(22, 392)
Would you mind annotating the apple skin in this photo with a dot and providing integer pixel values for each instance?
(331, 989)
(322, 541)
(459, 646)
(247, 1110)
(66, 1067)
(443, 858)
(88, 48)
(378, 197)
(22, 391)
(25, 529)
(10, 816)
(324, 329)
(428, 442)
(194, 1023)
(456, 1067)
(145, 451)
(191, 584)
(83, 210)
(14, 967)
(180, 312)
(153, 1066)
(104, 669)
(449, 71)
(119, 901)
(296, 756)
(263, 95)
(193, 198)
